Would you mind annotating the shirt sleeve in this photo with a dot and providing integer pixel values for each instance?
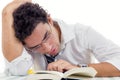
(20, 65)
(103, 49)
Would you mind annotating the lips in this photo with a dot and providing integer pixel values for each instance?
(53, 51)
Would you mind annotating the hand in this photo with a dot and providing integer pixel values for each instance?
(60, 65)
(13, 5)
(9, 9)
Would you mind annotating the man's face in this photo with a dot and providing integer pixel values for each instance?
(44, 39)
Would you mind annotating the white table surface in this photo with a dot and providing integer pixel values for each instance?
(4, 77)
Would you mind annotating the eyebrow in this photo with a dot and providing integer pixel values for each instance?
(45, 35)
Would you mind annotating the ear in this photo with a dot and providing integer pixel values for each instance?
(50, 21)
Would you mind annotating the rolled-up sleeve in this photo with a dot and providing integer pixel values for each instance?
(103, 49)
(20, 65)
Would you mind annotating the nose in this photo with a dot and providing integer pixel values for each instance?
(46, 47)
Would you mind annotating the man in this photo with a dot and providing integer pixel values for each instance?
(69, 46)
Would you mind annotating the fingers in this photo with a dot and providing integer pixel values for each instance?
(60, 66)
(13, 5)
(56, 66)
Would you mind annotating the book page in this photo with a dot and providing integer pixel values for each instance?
(43, 77)
(50, 72)
(81, 72)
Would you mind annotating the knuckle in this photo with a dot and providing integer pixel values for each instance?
(55, 65)
(49, 65)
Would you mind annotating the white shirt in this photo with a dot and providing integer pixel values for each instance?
(78, 43)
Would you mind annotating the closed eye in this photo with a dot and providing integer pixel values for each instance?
(35, 46)
(45, 36)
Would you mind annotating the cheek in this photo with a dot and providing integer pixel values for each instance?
(54, 40)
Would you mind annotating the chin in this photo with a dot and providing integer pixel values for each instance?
(54, 54)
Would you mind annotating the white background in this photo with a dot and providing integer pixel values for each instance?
(102, 15)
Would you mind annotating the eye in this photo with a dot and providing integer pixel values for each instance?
(31, 48)
(46, 36)
(38, 46)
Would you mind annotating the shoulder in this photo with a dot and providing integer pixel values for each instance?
(81, 29)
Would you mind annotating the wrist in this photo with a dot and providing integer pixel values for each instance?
(82, 65)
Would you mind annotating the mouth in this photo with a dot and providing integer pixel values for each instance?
(53, 51)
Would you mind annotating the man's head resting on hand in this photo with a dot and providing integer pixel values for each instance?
(36, 30)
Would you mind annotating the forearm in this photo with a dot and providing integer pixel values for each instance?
(105, 69)
(11, 47)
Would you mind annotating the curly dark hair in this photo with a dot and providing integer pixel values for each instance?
(26, 17)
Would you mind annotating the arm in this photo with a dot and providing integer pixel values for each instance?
(11, 47)
(18, 61)
(105, 69)
(105, 51)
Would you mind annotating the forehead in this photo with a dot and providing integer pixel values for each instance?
(37, 35)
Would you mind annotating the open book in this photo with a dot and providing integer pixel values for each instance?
(75, 73)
